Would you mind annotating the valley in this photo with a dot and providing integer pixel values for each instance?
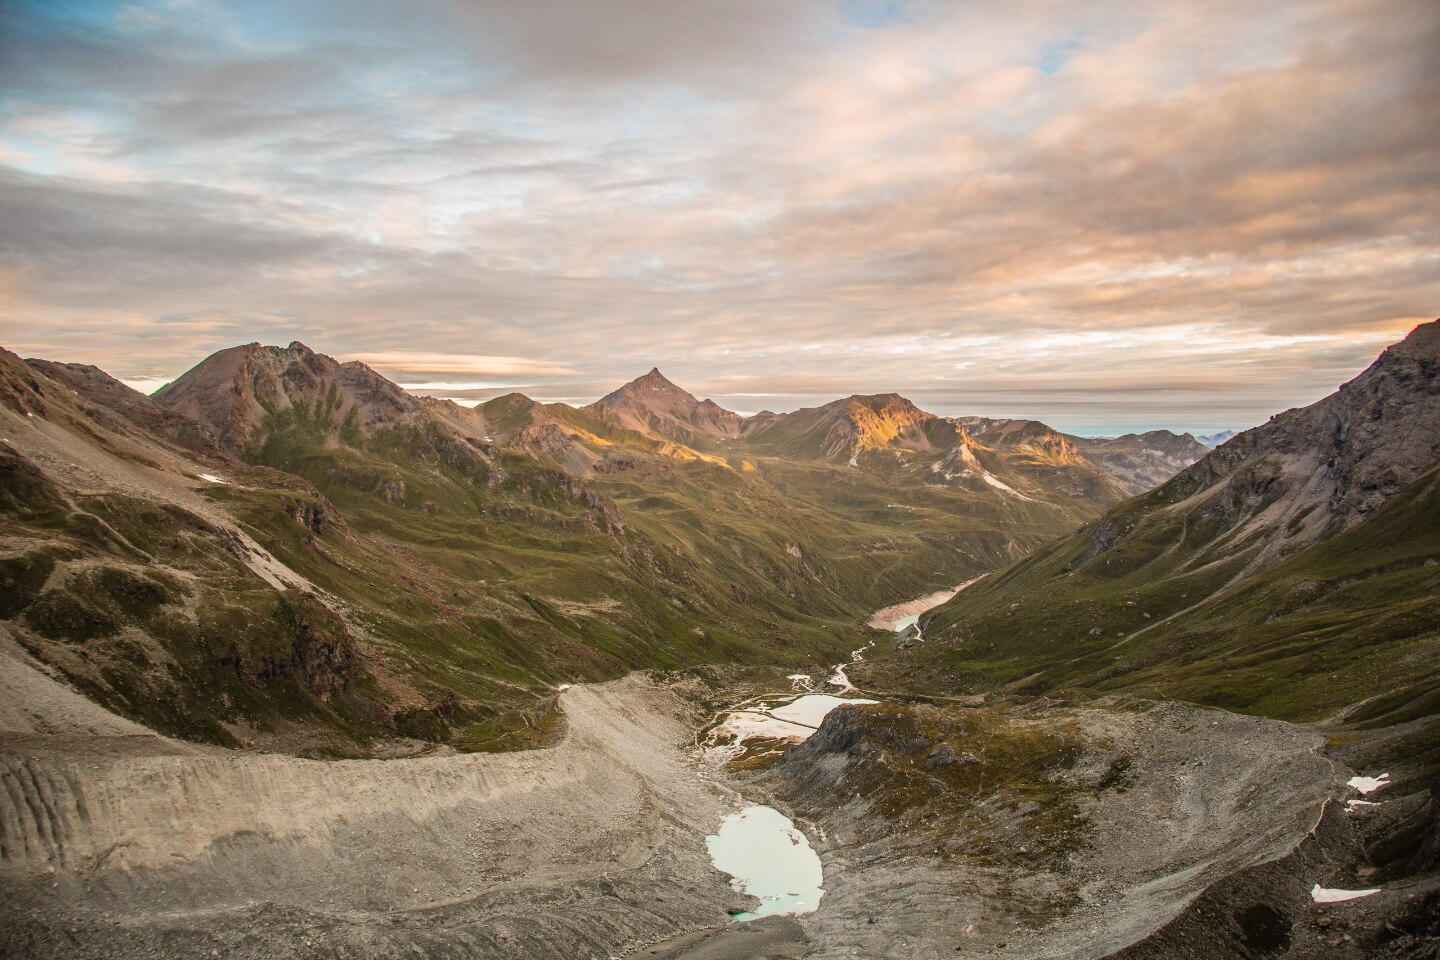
(296, 663)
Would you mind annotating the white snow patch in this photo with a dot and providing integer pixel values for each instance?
(211, 478)
(563, 687)
(1352, 805)
(1003, 487)
(1370, 784)
(1322, 895)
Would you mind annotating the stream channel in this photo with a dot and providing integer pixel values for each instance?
(767, 856)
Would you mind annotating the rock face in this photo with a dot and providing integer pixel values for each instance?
(1309, 473)
(322, 655)
(1335, 461)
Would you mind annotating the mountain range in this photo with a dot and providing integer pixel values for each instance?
(284, 550)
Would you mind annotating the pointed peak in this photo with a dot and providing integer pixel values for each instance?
(649, 383)
(652, 379)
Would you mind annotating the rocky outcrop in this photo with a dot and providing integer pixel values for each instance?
(322, 656)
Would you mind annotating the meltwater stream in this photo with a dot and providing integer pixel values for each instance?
(767, 856)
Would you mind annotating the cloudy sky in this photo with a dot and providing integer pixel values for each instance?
(1107, 215)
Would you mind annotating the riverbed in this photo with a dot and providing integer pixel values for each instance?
(764, 852)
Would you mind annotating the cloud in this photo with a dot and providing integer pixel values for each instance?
(1057, 208)
(406, 362)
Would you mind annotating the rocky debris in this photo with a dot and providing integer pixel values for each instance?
(1041, 835)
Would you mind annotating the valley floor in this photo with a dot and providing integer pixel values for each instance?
(121, 843)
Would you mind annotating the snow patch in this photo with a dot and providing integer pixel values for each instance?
(1002, 486)
(1370, 784)
(211, 478)
(1322, 895)
(1352, 805)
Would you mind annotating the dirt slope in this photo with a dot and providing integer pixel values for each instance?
(120, 845)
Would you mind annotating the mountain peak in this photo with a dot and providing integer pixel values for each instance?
(654, 406)
(236, 392)
(654, 380)
(642, 391)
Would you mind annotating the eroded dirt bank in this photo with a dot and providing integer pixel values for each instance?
(120, 843)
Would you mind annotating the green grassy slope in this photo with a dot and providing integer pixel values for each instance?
(1353, 616)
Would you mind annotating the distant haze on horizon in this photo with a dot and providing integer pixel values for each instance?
(1109, 216)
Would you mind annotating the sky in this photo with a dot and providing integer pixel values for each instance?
(1112, 215)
